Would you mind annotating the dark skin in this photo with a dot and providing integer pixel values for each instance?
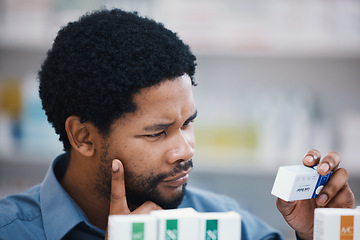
(118, 202)
(136, 146)
(152, 141)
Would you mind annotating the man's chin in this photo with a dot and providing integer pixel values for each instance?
(171, 197)
(167, 198)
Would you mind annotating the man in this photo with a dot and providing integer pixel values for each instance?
(117, 88)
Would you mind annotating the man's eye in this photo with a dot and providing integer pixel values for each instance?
(188, 122)
(155, 135)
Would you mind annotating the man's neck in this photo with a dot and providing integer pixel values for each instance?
(80, 188)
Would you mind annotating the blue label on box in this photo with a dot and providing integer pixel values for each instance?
(322, 180)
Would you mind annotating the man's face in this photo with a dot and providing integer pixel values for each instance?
(155, 145)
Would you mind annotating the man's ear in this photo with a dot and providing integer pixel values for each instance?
(81, 135)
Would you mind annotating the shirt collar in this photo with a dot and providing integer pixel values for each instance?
(60, 213)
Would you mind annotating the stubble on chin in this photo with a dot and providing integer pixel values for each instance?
(144, 189)
(139, 188)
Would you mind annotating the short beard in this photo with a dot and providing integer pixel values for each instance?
(137, 196)
(139, 188)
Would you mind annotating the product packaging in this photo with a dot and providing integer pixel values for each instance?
(177, 224)
(298, 182)
(132, 227)
(337, 224)
(220, 226)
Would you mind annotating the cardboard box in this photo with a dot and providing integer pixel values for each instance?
(337, 224)
(298, 182)
(177, 224)
(220, 226)
(132, 227)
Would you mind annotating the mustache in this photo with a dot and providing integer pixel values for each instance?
(181, 167)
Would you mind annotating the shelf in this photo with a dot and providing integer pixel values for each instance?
(281, 28)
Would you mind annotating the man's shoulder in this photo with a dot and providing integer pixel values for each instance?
(207, 201)
(19, 210)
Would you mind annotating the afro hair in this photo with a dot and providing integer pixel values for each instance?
(98, 63)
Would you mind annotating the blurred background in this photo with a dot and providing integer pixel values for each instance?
(275, 79)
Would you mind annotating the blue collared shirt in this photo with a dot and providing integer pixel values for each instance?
(46, 211)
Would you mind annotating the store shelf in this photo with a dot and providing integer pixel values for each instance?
(281, 27)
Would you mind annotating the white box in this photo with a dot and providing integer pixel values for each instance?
(298, 182)
(132, 227)
(179, 224)
(220, 225)
(337, 224)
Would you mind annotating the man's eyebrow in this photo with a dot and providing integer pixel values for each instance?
(157, 127)
(162, 126)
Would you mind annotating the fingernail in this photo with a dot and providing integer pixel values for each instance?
(309, 159)
(324, 167)
(115, 166)
(322, 199)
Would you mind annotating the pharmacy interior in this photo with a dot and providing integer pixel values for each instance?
(275, 78)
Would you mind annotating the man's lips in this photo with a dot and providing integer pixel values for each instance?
(177, 180)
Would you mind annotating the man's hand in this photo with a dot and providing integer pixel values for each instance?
(118, 202)
(336, 194)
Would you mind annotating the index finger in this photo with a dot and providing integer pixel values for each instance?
(118, 203)
(330, 163)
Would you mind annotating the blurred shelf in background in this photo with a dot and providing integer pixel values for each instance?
(280, 26)
(254, 112)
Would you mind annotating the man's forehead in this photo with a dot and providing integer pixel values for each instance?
(170, 85)
(164, 101)
(176, 92)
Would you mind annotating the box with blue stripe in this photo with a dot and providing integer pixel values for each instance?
(298, 182)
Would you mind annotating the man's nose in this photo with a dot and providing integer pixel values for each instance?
(181, 147)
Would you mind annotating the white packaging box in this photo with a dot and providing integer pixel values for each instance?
(179, 224)
(132, 227)
(298, 182)
(337, 224)
(220, 226)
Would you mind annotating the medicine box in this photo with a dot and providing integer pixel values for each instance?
(337, 224)
(298, 182)
(220, 226)
(177, 224)
(132, 227)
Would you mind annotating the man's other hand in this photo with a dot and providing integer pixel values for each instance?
(336, 194)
